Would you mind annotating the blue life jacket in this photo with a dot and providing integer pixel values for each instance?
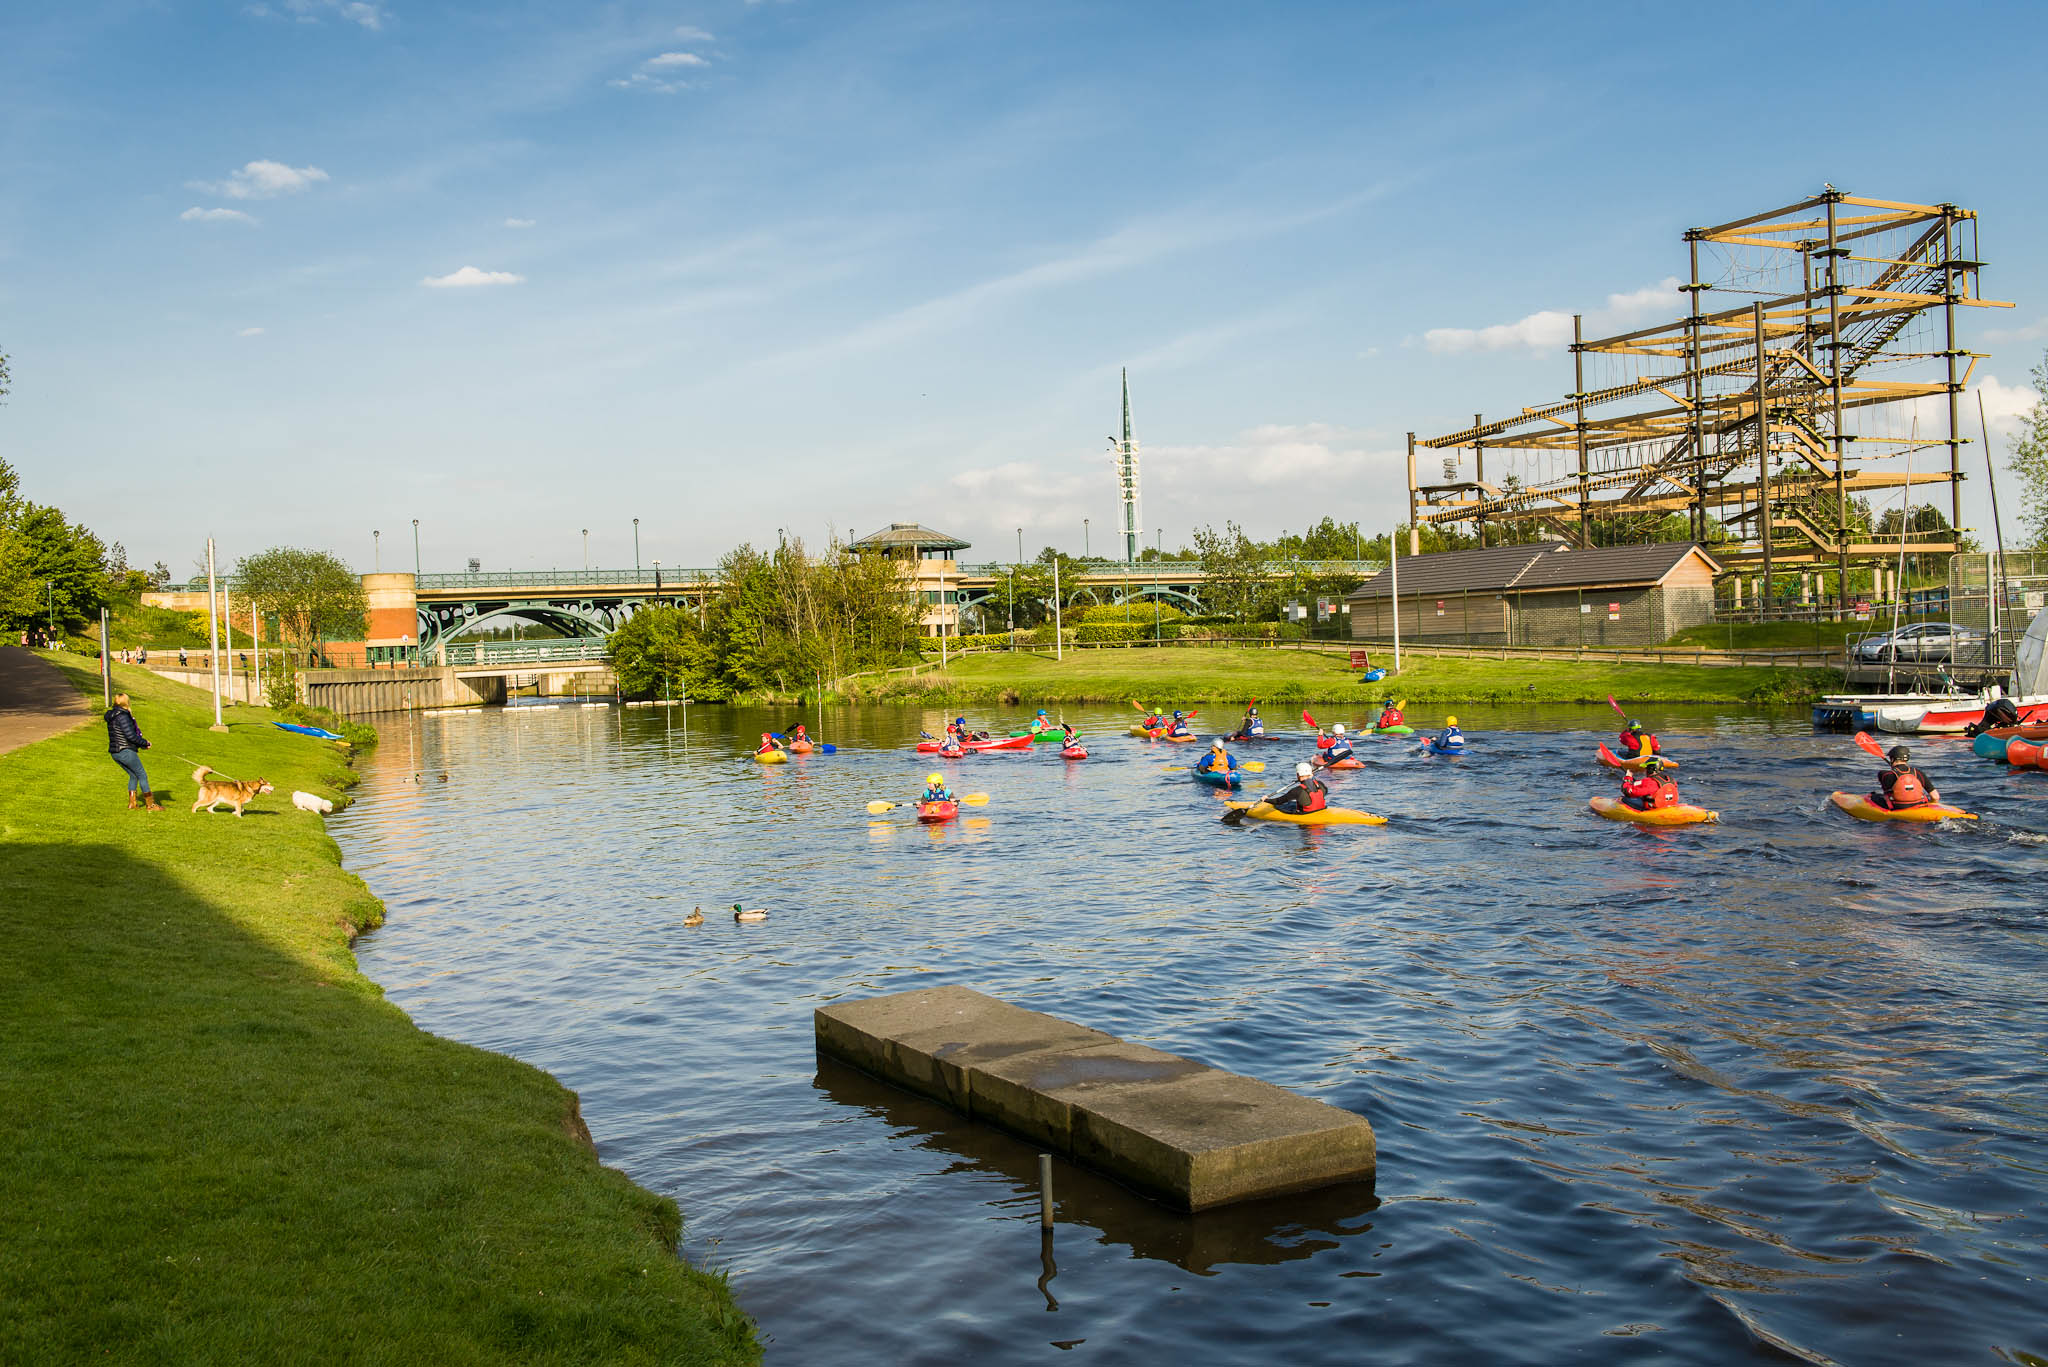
(1451, 739)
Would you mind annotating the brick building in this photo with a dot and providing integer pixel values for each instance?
(1547, 594)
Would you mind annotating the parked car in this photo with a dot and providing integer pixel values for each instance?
(1923, 643)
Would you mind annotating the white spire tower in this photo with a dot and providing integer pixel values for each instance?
(1127, 478)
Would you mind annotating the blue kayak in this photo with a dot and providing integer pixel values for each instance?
(1231, 780)
(306, 730)
(1988, 746)
(1373, 676)
(1436, 749)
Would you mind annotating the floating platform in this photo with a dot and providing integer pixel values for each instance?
(1189, 1135)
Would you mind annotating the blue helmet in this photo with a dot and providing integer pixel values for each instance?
(1041, 711)
(1178, 714)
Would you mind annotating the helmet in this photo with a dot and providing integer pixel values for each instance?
(1386, 702)
(1041, 711)
(1253, 710)
(1637, 727)
(1216, 744)
(1652, 765)
(1178, 714)
(1450, 721)
(1304, 769)
(765, 738)
(1899, 754)
(1337, 729)
(935, 778)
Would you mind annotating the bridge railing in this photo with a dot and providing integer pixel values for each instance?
(522, 652)
(1186, 569)
(672, 577)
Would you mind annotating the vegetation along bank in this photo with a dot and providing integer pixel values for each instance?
(225, 1146)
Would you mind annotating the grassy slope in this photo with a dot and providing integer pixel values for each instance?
(1183, 675)
(224, 1145)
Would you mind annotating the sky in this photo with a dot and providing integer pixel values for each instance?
(294, 271)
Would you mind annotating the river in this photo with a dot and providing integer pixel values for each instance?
(1770, 1090)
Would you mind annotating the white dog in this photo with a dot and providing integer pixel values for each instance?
(309, 802)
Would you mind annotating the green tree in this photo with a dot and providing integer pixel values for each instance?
(659, 652)
(2027, 460)
(314, 595)
(66, 567)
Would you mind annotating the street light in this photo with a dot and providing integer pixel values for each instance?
(1020, 545)
(1158, 553)
(417, 658)
(1084, 538)
(586, 550)
(377, 551)
(636, 545)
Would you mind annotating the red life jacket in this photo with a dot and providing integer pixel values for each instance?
(1654, 789)
(1314, 796)
(1907, 790)
(1390, 717)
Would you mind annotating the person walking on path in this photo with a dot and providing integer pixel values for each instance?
(125, 744)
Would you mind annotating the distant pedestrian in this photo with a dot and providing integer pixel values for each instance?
(181, 657)
(125, 744)
(142, 656)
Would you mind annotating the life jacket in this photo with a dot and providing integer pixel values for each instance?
(1314, 796)
(1906, 789)
(1179, 728)
(1390, 717)
(942, 795)
(1633, 745)
(1213, 763)
(1339, 749)
(951, 746)
(1453, 739)
(1652, 790)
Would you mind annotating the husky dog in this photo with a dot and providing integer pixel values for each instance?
(237, 793)
(312, 802)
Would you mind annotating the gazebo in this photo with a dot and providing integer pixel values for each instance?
(926, 559)
(910, 541)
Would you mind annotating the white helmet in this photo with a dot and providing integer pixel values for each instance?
(1304, 769)
(1337, 729)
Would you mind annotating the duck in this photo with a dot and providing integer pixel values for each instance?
(695, 918)
(749, 914)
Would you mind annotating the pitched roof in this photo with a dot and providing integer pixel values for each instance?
(909, 534)
(1545, 565)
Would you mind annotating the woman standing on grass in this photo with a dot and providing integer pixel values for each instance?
(125, 744)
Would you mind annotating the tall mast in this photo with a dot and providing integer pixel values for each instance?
(1127, 478)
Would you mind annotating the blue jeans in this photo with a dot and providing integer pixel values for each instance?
(131, 760)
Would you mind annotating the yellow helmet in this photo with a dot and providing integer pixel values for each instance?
(1450, 721)
(936, 778)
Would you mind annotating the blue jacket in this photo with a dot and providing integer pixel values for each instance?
(122, 732)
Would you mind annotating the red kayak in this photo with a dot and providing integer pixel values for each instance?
(1023, 742)
(1073, 752)
(935, 812)
(1344, 764)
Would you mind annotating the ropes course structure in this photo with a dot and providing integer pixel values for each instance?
(1832, 328)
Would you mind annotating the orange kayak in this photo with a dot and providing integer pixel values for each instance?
(1863, 809)
(1614, 809)
(1614, 761)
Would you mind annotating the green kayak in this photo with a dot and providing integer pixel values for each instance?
(1393, 730)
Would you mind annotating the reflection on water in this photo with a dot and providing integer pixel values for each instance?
(1767, 1088)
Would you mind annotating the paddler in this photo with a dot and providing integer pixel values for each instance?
(1339, 746)
(935, 789)
(950, 747)
(799, 738)
(768, 742)
(1390, 716)
(1901, 784)
(1068, 740)
(1180, 725)
(1307, 795)
(1252, 727)
(1041, 722)
(1217, 761)
(1636, 741)
(1452, 738)
(1649, 787)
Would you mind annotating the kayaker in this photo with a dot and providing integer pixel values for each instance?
(2000, 713)
(1218, 760)
(1339, 746)
(935, 789)
(1636, 741)
(768, 742)
(1041, 722)
(1307, 795)
(1180, 725)
(799, 738)
(1068, 740)
(1452, 738)
(950, 747)
(1901, 784)
(1252, 727)
(1649, 787)
(1390, 715)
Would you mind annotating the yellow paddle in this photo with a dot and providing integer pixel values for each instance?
(876, 808)
(1250, 766)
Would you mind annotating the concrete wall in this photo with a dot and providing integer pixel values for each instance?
(357, 692)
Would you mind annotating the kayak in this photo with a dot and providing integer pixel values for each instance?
(1393, 730)
(2020, 755)
(1232, 780)
(1353, 763)
(2029, 731)
(801, 747)
(1329, 816)
(1254, 735)
(306, 730)
(1863, 809)
(1614, 809)
(1452, 750)
(927, 747)
(1373, 676)
(1149, 732)
(1042, 737)
(935, 812)
(1614, 761)
(1073, 752)
(771, 757)
(1988, 746)
(1190, 736)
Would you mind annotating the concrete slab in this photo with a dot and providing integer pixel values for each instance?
(1188, 1134)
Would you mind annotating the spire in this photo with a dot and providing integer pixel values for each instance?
(1127, 406)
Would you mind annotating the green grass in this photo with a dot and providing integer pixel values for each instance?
(1177, 675)
(223, 1145)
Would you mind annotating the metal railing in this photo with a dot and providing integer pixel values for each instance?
(674, 578)
(522, 652)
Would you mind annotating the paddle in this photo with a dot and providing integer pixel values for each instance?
(1250, 766)
(818, 744)
(1615, 705)
(876, 808)
(1869, 744)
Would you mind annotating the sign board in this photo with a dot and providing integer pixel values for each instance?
(1616, 607)
(1585, 607)
(1359, 660)
(1614, 617)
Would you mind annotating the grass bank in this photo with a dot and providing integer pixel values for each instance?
(224, 1146)
(1174, 676)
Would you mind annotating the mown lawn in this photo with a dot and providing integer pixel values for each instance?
(1193, 674)
(223, 1145)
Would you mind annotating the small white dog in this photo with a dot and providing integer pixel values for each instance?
(309, 802)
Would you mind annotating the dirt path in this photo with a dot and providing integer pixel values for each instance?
(36, 700)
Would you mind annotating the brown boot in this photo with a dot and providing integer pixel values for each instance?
(149, 799)
(131, 799)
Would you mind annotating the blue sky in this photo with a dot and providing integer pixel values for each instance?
(288, 271)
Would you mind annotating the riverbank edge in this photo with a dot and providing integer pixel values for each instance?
(590, 1220)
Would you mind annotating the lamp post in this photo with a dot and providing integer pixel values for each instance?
(1084, 538)
(636, 545)
(417, 658)
(586, 550)
(51, 586)
(377, 551)
(1158, 554)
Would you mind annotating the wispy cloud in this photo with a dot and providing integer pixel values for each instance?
(263, 180)
(362, 13)
(690, 33)
(2030, 332)
(669, 60)
(1548, 330)
(250, 332)
(641, 80)
(519, 222)
(469, 277)
(195, 214)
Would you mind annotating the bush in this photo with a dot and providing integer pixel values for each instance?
(1105, 613)
(1124, 631)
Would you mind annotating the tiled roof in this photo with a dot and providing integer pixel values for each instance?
(1549, 565)
(909, 534)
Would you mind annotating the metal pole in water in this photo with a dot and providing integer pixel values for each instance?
(1045, 1191)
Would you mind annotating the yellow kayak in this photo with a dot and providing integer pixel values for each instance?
(771, 757)
(1863, 809)
(1329, 816)
(1614, 809)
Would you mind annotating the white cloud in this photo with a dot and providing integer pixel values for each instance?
(1549, 330)
(195, 214)
(690, 33)
(519, 223)
(469, 277)
(250, 332)
(675, 59)
(360, 12)
(2031, 332)
(640, 80)
(263, 180)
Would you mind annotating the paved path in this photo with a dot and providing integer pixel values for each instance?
(36, 700)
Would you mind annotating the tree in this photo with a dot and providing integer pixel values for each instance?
(659, 652)
(2028, 462)
(314, 595)
(3, 374)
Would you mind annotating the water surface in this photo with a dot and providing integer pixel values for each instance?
(1771, 1090)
